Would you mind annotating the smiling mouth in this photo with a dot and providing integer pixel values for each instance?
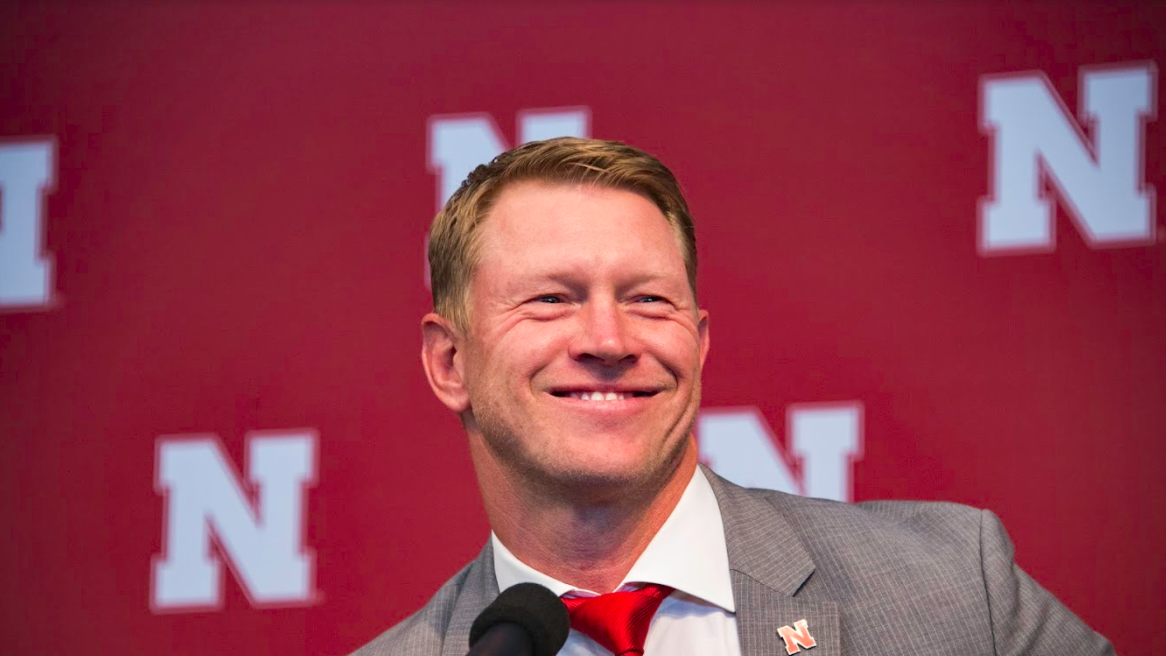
(583, 395)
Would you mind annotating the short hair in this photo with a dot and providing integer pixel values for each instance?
(454, 234)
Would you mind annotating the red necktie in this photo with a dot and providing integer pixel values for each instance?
(618, 620)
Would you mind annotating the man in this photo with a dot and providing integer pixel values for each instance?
(567, 338)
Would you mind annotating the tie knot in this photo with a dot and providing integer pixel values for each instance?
(618, 620)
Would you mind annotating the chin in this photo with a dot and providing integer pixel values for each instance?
(597, 484)
(605, 474)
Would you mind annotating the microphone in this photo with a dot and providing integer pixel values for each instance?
(525, 620)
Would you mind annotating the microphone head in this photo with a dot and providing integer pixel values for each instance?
(533, 607)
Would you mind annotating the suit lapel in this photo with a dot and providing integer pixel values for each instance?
(761, 611)
(481, 588)
(769, 567)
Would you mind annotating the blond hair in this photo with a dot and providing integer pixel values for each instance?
(453, 242)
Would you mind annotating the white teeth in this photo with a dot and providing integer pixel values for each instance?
(598, 396)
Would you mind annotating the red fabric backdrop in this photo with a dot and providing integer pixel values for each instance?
(236, 226)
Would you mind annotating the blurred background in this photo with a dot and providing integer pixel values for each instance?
(929, 239)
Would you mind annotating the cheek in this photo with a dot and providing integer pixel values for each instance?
(678, 348)
(515, 360)
(529, 347)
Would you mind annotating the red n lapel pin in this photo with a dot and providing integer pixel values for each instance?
(797, 637)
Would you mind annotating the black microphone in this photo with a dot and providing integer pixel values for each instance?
(525, 620)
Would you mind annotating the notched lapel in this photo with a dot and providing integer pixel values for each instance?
(480, 589)
(761, 542)
(770, 565)
(761, 611)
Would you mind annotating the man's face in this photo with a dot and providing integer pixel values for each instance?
(584, 351)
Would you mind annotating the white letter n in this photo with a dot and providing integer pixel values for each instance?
(1099, 180)
(260, 533)
(26, 175)
(825, 437)
(458, 143)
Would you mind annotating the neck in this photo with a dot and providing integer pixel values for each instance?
(586, 538)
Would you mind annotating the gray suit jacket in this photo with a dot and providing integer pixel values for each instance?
(883, 577)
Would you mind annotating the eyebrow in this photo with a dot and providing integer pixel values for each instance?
(573, 279)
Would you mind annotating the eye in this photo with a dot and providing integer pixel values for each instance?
(650, 305)
(548, 298)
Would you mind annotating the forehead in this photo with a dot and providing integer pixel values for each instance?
(532, 220)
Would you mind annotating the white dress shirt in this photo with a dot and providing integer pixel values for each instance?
(688, 553)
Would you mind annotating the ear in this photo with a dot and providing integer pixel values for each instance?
(442, 361)
(702, 330)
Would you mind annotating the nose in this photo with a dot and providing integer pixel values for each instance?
(604, 335)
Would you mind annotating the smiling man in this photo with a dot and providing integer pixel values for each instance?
(567, 338)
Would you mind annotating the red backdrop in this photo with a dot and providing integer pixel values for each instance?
(236, 231)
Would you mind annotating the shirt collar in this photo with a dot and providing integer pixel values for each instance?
(687, 553)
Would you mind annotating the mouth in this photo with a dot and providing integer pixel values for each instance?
(601, 395)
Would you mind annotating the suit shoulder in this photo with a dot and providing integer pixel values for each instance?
(423, 632)
(887, 532)
(930, 521)
(934, 519)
